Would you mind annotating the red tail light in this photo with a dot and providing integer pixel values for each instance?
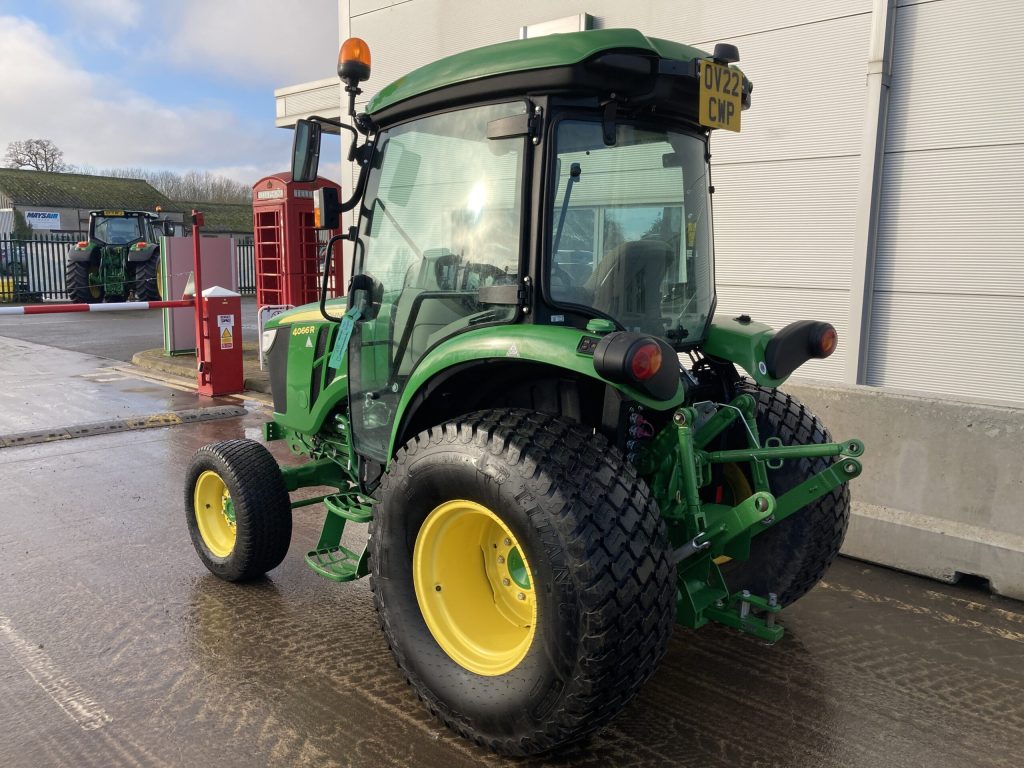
(638, 361)
(827, 342)
(645, 361)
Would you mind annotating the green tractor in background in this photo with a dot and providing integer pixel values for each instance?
(119, 261)
(526, 394)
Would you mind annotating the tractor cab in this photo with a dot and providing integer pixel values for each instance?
(584, 204)
(121, 227)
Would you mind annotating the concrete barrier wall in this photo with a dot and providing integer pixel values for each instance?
(942, 492)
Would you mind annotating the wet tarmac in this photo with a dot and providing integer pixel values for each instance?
(117, 648)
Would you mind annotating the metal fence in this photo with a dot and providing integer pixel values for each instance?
(245, 256)
(32, 270)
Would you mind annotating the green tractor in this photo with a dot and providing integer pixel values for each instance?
(558, 449)
(119, 261)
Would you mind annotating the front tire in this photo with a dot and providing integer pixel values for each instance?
(237, 509)
(521, 575)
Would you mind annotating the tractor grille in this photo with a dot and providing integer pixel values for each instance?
(277, 359)
(318, 364)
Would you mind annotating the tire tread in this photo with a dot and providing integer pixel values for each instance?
(259, 493)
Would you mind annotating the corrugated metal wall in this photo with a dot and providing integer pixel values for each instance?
(949, 279)
(786, 186)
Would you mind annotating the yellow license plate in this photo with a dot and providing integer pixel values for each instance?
(113, 213)
(721, 96)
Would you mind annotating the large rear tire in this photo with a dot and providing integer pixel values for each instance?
(521, 575)
(147, 279)
(791, 557)
(76, 281)
(237, 509)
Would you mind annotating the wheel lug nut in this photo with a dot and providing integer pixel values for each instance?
(506, 582)
(521, 596)
(500, 559)
(508, 542)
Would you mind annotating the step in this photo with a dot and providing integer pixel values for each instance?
(350, 505)
(335, 563)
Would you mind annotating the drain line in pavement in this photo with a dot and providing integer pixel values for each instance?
(164, 419)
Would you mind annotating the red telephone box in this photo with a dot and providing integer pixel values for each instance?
(287, 247)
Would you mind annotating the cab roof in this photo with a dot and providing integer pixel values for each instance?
(550, 52)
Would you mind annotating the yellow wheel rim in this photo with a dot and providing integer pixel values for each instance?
(474, 587)
(739, 489)
(94, 290)
(215, 514)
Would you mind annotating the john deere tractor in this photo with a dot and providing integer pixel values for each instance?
(559, 449)
(120, 260)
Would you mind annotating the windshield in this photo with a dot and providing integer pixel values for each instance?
(631, 229)
(118, 230)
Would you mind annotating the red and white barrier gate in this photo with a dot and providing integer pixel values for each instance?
(124, 306)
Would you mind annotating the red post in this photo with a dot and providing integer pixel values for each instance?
(220, 358)
(197, 277)
(219, 368)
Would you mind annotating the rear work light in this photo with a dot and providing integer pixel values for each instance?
(638, 361)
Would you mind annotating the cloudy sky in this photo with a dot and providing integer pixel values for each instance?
(142, 83)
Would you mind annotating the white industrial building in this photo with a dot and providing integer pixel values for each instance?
(878, 183)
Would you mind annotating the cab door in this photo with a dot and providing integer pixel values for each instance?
(441, 219)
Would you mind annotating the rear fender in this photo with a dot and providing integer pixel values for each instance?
(553, 346)
(77, 254)
(143, 254)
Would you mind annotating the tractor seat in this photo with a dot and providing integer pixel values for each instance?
(627, 283)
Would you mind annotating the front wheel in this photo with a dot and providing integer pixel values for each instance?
(521, 575)
(237, 509)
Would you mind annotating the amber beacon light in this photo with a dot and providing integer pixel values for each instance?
(354, 61)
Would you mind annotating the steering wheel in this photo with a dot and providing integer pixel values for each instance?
(559, 274)
(486, 271)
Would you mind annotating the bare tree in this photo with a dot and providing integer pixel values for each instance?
(36, 154)
(193, 186)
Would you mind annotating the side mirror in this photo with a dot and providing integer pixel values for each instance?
(169, 228)
(306, 150)
(366, 293)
